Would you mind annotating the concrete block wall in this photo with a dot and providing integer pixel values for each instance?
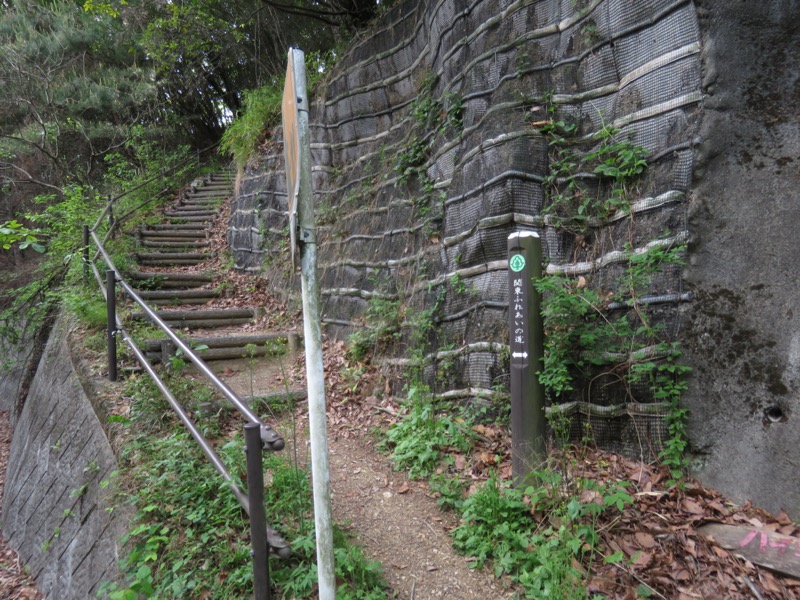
(56, 513)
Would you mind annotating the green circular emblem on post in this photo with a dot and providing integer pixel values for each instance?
(517, 263)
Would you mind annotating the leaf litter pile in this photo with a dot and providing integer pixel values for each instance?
(665, 553)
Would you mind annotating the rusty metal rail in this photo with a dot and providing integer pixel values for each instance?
(259, 435)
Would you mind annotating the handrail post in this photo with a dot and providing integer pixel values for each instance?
(86, 252)
(111, 216)
(111, 316)
(258, 519)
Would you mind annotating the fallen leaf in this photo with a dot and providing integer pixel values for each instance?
(645, 540)
(720, 552)
(643, 559)
(692, 507)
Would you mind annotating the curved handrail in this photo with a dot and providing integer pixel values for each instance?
(270, 440)
(111, 201)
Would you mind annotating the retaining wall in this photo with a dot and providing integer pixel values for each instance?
(56, 512)
(706, 87)
(427, 156)
(742, 334)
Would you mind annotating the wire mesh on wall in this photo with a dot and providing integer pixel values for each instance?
(631, 66)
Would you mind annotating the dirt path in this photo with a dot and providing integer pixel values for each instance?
(399, 524)
(15, 584)
(393, 519)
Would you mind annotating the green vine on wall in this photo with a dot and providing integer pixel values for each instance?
(432, 118)
(586, 341)
(586, 188)
(589, 347)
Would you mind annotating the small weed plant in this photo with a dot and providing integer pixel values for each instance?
(419, 441)
(539, 535)
(383, 318)
(586, 187)
(190, 537)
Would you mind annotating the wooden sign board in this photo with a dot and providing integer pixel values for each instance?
(291, 149)
(777, 552)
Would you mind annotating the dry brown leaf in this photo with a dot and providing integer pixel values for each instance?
(720, 552)
(769, 582)
(645, 540)
(643, 560)
(692, 507)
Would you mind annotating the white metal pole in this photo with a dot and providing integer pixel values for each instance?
(320, 471)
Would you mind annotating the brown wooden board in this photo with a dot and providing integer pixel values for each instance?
(777, 552)
(291, 148)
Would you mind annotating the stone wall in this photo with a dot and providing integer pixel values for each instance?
(427, 157)
(707, 88)
(57, 512)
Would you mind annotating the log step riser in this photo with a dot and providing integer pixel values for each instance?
(238, 341)
(175, 244)
(179, 220)
(188, 226)
(168, 295)
(193, 277)
(166, 234)
(169, 263)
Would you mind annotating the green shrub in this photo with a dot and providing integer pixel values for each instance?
(262, 111)
(420, 438)
(539, 535)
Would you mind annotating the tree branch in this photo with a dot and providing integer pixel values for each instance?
(36, 146)
(30, 178)
(319, 15)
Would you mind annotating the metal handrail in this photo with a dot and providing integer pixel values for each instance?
(270, 439)
(111, 201)
(273, 538)
(258, 435)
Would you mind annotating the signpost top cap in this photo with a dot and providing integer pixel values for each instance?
(523, 234)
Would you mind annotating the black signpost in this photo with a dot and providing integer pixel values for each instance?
(528, 434)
